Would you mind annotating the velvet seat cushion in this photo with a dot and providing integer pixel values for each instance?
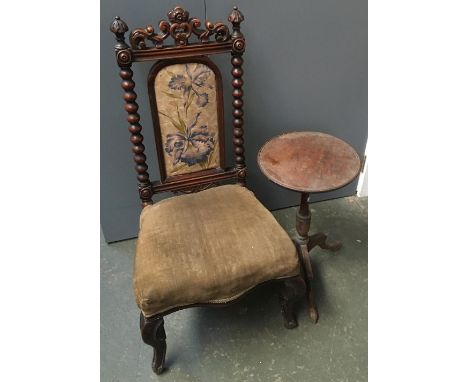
(208, 247)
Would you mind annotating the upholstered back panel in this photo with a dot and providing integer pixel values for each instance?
(186, 97)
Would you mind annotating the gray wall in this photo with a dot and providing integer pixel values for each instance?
(305, 69)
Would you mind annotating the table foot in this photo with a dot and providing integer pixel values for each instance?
(313, 314)
(320, 239)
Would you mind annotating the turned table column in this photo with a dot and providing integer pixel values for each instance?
(301, 240)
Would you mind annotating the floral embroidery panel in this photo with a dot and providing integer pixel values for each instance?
(187, 106)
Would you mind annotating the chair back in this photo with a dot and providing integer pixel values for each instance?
(186, 99)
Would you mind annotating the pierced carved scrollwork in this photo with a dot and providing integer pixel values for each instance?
(220, 31)
(139, 35)
(180, 27)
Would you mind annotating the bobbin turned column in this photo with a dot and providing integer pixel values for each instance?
(124, 60)
(238, 47)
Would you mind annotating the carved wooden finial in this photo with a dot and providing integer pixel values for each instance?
(119, 28)
(235, 18)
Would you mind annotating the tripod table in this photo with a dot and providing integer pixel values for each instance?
(309, 162)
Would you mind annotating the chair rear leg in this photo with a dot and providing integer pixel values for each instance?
(153, 334)
(289, 294)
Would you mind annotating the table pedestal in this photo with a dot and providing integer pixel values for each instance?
(304, 243)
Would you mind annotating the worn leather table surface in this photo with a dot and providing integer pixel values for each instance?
(309, 161)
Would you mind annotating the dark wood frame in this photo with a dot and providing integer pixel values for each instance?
(155, 115)
(181, 28)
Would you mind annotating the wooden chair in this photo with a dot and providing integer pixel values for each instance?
(212, 243)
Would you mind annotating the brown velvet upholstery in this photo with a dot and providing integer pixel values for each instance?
(209, 246)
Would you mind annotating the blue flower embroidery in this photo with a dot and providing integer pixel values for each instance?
(192, 84)
(191, 144)
(192, 147)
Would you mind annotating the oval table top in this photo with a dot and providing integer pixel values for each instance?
(309, 161)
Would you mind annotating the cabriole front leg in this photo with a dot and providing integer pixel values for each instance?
(153, 334)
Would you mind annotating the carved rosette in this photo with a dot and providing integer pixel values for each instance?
(178, 15)
(124, 57)
(238, 45)
(242, 174)
(146, 193)
(180, 27)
